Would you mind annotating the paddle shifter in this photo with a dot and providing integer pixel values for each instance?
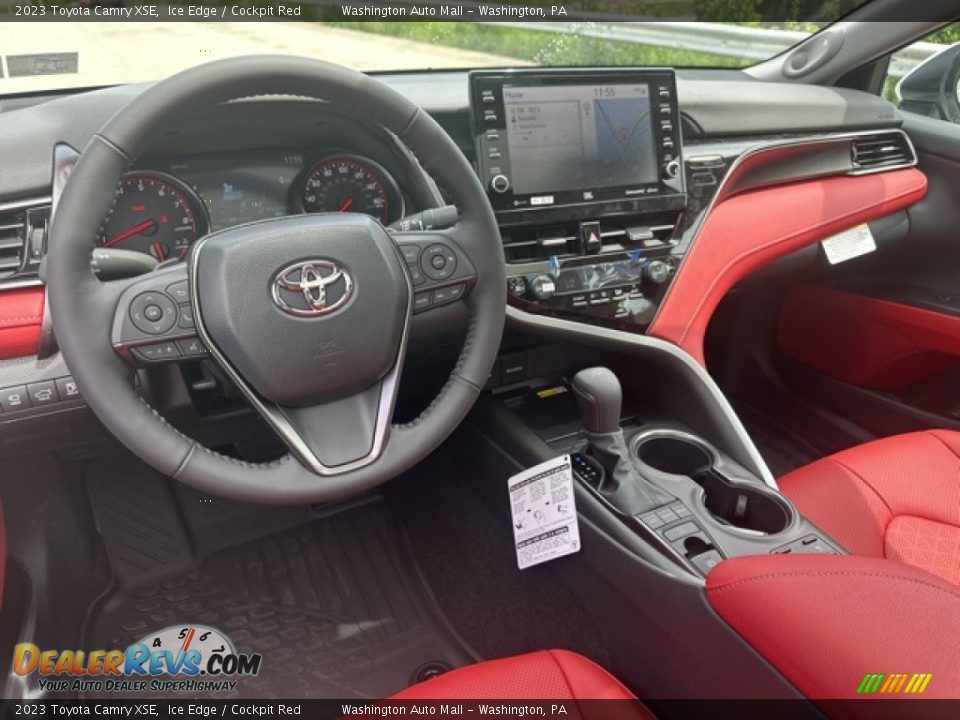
(600, 398)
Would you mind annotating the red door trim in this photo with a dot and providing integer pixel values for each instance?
(749, 230)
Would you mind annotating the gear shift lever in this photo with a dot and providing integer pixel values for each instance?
(600, 398)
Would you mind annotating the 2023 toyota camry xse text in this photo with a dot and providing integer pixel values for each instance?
(567, 376)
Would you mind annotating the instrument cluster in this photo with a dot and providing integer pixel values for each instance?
(163, 211)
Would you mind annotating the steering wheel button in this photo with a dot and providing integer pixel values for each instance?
(421, 301)
(439, 262)
(411, 253)
(416, 275)
(153, 313)
(192, 347)
(442, 296)
(180, 291)
(186, 317)
(157, 352)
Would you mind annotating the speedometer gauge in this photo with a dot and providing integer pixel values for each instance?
(348, 183)
(154, 213)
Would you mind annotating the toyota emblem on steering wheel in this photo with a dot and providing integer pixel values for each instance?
(312, 287)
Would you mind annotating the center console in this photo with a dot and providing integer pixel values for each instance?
(657, 460)
(583, 169)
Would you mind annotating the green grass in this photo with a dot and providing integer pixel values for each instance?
(540, 47)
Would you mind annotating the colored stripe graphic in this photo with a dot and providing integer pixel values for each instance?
(894, 683)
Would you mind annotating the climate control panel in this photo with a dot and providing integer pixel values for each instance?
(623, 286)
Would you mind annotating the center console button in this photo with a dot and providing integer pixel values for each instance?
(513, 368)
(652, 521)
(517, 286)
(43, 393)
(675, 533)
(67, 388)
(667, 515)
(14, 398)
(500, 183)
(543, 287)
(705, 562)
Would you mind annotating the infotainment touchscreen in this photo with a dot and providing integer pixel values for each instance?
(572, 138)
(579, 136)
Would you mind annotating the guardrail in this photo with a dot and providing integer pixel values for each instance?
(739, 41)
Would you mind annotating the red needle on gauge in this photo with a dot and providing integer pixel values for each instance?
(145, 225)
(158, 250)
(346, 205)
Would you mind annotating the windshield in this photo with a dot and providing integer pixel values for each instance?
(57, 55)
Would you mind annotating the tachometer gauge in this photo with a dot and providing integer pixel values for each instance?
(154, 213)
(349, 183)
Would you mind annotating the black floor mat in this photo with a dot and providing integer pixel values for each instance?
(467, 553)
(336, 607)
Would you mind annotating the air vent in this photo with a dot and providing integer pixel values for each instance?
(22, 235)
(13, 238)
(530, 244)
(883, 151)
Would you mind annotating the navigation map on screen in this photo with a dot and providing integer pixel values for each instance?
(579, 136)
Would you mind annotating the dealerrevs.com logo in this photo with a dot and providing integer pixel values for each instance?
(191, 658)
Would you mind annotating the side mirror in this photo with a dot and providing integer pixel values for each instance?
(932, 88)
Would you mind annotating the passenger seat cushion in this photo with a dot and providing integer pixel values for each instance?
(544, 675)
(825, 621)
(896, 498)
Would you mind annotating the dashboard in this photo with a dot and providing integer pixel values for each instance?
(604, 245)
(164, 208)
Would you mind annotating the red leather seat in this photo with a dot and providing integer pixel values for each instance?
(896, 498)
(543, 675)
(827, 621)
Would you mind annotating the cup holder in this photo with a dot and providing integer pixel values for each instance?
(737, 504)
(674, 455)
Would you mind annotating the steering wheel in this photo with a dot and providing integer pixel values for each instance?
(309, 315)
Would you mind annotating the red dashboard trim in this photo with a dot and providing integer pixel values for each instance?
(749, 230)
(864, 341)
(21, 318)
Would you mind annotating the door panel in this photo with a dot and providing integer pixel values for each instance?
(878, 340)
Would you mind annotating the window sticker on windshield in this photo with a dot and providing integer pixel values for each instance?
(65, 63)
(545, 523)
(849, 244)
